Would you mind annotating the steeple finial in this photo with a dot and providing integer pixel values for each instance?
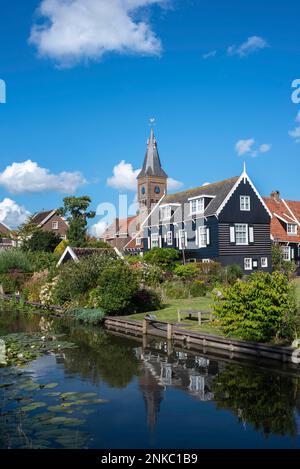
(152, 165)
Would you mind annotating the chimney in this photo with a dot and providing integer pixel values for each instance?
(117, 227)
(276, 195)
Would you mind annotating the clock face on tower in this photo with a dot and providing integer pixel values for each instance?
(157, 190)
(143, 190)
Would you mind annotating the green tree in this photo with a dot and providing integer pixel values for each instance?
(75, 210)
(41, 240)
(261, 308)
(163, 257)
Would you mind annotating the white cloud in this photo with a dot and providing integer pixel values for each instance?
(98, 229)
(243, 147)
(295, 134)
(253, 44)
(29, 177)
(124, 178)
(209, 55)
(173, 184)
(73, 30)
(12, 214)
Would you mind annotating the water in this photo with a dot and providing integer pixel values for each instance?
(126, 395)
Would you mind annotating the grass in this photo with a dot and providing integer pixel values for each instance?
(297, 284)
(169, 314)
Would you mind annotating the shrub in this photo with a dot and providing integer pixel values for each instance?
(198, 288)
(151, 275)
(86, 316)
(61, 247)
(14, 260)
(41, 261)
(146, 300)
(176, 290)
(187, 272)
(40, 240)
(117, 288)
(163, 257)
(32, 288)
(259, 308)
(234, 272)
(12, 282)
(76, 279)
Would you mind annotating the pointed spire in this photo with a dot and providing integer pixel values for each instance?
(152, 165)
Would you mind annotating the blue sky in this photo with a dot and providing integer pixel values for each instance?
(83, 78)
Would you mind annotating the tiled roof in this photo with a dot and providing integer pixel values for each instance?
(84, 252)
(126, 225)
(4, 229)
(280, 212)
(39, 217)
(219, 190)
(152, 165)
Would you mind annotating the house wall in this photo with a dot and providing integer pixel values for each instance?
(62, 225)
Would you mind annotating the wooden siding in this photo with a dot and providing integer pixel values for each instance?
(261, 245)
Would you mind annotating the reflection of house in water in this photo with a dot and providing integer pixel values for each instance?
(193, 374)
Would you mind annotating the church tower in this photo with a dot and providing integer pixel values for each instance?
(152, 180)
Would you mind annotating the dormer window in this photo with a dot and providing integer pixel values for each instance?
(245, 203)
(197, 206)
(291, 229)
(166, 212)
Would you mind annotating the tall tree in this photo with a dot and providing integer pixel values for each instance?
(75, 211)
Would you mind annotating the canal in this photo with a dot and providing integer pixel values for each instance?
(107, 391)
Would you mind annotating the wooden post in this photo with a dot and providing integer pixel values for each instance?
(199, 318)
(145, 326)
(169, 331)
(178, 315)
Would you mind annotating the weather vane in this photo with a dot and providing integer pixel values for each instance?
(152, 121)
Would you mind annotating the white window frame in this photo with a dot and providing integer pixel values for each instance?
(292, 229)
(138, 241)
(197, 206)
(169, 238)
(182, 234)
(248, 263)
(55, 225)
(245, 231)
(166, 212)
(202, 236)
(245, 203)
(154, 239)
(264, 263)
(286, 253)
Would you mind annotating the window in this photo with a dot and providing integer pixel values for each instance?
(286, 253)
(166, 212)
(291, 229)
(182, 239)
(241, 234)
(248, 264)
(245, 203)
(169, 238)
(154, 241)
(197, 206)
(138, 241)
(202, 237)
(206, 261)
(264, 262)
(55, 225)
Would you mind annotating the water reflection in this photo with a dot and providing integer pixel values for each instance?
(261, 400)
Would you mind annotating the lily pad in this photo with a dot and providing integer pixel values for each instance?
(33, 406)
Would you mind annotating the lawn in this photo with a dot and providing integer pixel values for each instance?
(169, 313)
(297, 283)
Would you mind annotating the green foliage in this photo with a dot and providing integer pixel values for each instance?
(32, 288)
(197, 288)
(97, 243)
(86, 316)
(40, 261)
(75, 209)
(234, 272)
(117, 287)
(76, 279)
(14, 260)
(162, 257)
(61, 247)
(41, 240)
(176, 290)
(258, 308)
(187, 272)
(151, 275)
(147, 299)
(12, 282)
(279, 264)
